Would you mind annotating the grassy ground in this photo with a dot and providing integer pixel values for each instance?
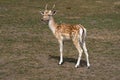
(29, 51)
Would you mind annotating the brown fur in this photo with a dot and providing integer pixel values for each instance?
(65, 32)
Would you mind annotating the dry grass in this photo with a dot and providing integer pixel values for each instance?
(29, 51)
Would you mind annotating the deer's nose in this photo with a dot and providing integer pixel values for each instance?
(42, 19)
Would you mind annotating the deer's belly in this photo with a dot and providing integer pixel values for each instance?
(66, 36)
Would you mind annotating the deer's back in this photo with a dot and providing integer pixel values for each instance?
(68, 30)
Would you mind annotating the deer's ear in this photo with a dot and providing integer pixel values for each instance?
(41, 12)
(53, 12)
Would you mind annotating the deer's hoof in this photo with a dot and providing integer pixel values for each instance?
(76, 66)
(60, 63)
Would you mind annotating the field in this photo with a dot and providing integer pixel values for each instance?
(29, 51)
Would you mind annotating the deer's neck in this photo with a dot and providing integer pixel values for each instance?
(52, 24)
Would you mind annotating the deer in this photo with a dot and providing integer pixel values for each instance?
(64, 32)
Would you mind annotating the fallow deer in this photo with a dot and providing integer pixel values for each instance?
(76, 33)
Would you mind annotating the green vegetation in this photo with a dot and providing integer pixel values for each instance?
(29, 51)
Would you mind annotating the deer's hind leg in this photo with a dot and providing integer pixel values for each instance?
(77, 45)
(86, 53)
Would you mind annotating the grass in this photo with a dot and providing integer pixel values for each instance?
(29, 51)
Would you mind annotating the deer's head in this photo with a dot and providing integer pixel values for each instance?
(47, 14)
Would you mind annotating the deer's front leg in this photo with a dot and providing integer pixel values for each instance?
(61, 51)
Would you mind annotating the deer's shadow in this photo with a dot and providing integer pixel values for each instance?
(70, 60)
